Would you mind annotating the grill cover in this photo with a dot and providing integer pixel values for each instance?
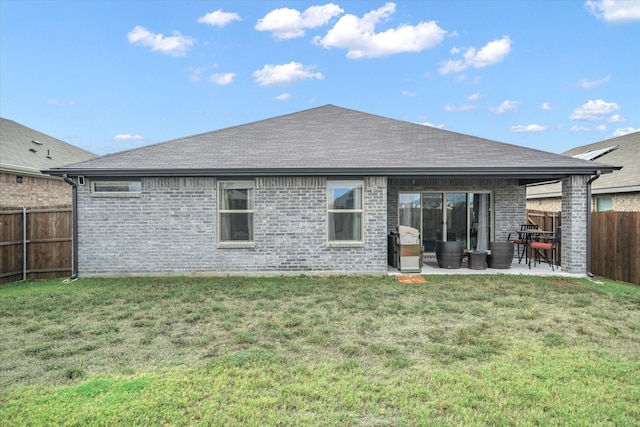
(410, 249)
(408, 235)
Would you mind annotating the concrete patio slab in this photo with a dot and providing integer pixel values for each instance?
(430, 267)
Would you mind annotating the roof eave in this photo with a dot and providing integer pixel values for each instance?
(22, 170)
(529, 174)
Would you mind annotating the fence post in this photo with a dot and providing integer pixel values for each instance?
(24, 243)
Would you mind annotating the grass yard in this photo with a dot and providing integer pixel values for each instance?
(344, 351)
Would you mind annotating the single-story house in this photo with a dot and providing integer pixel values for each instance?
(24, 152)
(313, 191)
(618, 191)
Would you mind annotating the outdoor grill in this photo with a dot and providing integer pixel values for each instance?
(409, 249)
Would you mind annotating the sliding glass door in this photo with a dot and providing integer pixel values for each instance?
(454, 216)
(409, 210)
(432, 226)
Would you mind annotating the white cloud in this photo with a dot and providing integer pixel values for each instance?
(196, 74)
(127, 137)
(614, 10)
(222, 79)
(60, 103)
(492, 53)
(506, 107)
(219, 18)
(528, 128)
(475, 96)
(409, 94)
(545, 106)
(617, 118)
(594, 110)
(285, 23)
(464, 107)
(285, 74)
(453, 66)
(625, 131)
(359, 37)
(432, 125)
(283, 97)
(599, 128)
(589, 84)
(175, 45)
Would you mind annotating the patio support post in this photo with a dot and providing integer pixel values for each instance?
(574, 224)
(74, 225)
(593, 178)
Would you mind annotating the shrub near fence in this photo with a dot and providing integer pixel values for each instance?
(615, 245)
(46, 244)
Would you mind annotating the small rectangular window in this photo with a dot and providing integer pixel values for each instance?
(345, 211)
(604, 203)
(111, 187)
(235, 211)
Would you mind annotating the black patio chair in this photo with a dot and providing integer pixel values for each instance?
(523, 239)
(548, 244)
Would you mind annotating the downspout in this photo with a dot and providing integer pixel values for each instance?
(593, 178)
(74, 231)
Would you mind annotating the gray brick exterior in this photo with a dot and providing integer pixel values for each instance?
(171, 227)
(574, 224)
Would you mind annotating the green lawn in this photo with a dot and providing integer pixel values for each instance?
(344, 351)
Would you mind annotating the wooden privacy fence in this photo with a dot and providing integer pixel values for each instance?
(615, 245)
(35, 244)
(615, 242)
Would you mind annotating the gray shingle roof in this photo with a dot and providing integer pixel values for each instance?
(627, 155)
(20, 154)
(331, 140)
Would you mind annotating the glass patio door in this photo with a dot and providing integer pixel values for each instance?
(448, 217)
(455, 217)
(432, 221)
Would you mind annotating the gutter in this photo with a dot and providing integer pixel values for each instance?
(551, 173)
(593, 178)
(74, 214)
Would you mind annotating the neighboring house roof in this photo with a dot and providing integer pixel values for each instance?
(27, 151)
(623, 151)
(331, 140)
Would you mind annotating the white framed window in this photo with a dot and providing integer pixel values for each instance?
(235, 211)
(345, 211)
(116, 187)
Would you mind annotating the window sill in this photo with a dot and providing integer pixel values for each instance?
(236, 245)
(345, 244)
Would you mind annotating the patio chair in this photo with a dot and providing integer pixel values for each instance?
(522, 239)
(549, 244)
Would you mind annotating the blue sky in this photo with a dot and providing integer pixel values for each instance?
(113, 75)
